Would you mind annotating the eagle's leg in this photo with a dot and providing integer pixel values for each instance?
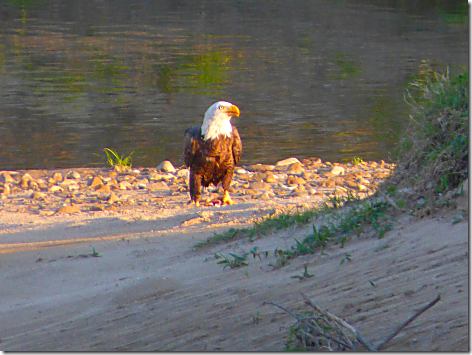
(226, 182)
(195, 187)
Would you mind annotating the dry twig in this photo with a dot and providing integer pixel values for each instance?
(326, 326)
(408, 321)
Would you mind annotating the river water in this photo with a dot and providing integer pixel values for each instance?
(322, 78)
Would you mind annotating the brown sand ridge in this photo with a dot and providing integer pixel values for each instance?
(149, 289)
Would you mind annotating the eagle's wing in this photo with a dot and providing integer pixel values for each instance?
(237, 147)
(191, 144)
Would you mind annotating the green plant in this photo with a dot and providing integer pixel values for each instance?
(237, 261)
(92, 254)
(281, 258)
(257, 254)
(302, 248)
(256, 318)
(346, 257)
(357, 161)
(273, 222)
(303, 276)
(433, 153)
(218, 238)
(115, 160)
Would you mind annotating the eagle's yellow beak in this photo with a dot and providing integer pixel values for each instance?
(233, 111)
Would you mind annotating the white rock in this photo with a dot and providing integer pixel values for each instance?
(288, 161)
(240, 171)
(337, 170)
(55, 188)
(166, 166)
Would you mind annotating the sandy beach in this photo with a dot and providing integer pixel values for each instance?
(127, 276)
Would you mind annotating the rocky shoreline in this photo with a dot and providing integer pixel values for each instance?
(93, 190)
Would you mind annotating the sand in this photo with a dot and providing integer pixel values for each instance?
(149, 289)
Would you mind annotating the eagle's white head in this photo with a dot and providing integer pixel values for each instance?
(217, 120)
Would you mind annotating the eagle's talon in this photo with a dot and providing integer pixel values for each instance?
(226, 199)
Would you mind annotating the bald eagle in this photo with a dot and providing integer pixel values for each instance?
(212, 150)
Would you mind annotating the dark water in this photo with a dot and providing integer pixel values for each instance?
(318, 78)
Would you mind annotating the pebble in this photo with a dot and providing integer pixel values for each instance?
(55, 188)
(57, 177)
(260, 167)
(296, 169)
(183, 173)
(94, 190)
(73, 175)
(68, 210)
(270, 178)
(295, 180)
(158, 186)
(113, 198)
(5, 177)
(97, 207)
(125, 185)
(259, 185)
(95, 182)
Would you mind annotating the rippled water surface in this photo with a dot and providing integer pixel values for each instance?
(318, 78)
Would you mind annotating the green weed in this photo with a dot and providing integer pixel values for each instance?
(230, 235)
(115, 160)
(304, 276)
(357, 161)
(93, 254)
(346, 257)
(235, 262)
(257, 254)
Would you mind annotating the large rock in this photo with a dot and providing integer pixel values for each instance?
(337, 170)
(166, 166)
(288, 161)
(96, 182)
(73, 175)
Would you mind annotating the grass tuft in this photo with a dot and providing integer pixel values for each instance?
(433, 154)
(115, 160)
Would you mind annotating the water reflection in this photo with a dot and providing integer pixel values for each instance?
(321, 78)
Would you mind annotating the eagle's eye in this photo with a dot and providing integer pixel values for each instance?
(221, 107)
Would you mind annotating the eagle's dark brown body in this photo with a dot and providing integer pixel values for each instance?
(210, 161)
